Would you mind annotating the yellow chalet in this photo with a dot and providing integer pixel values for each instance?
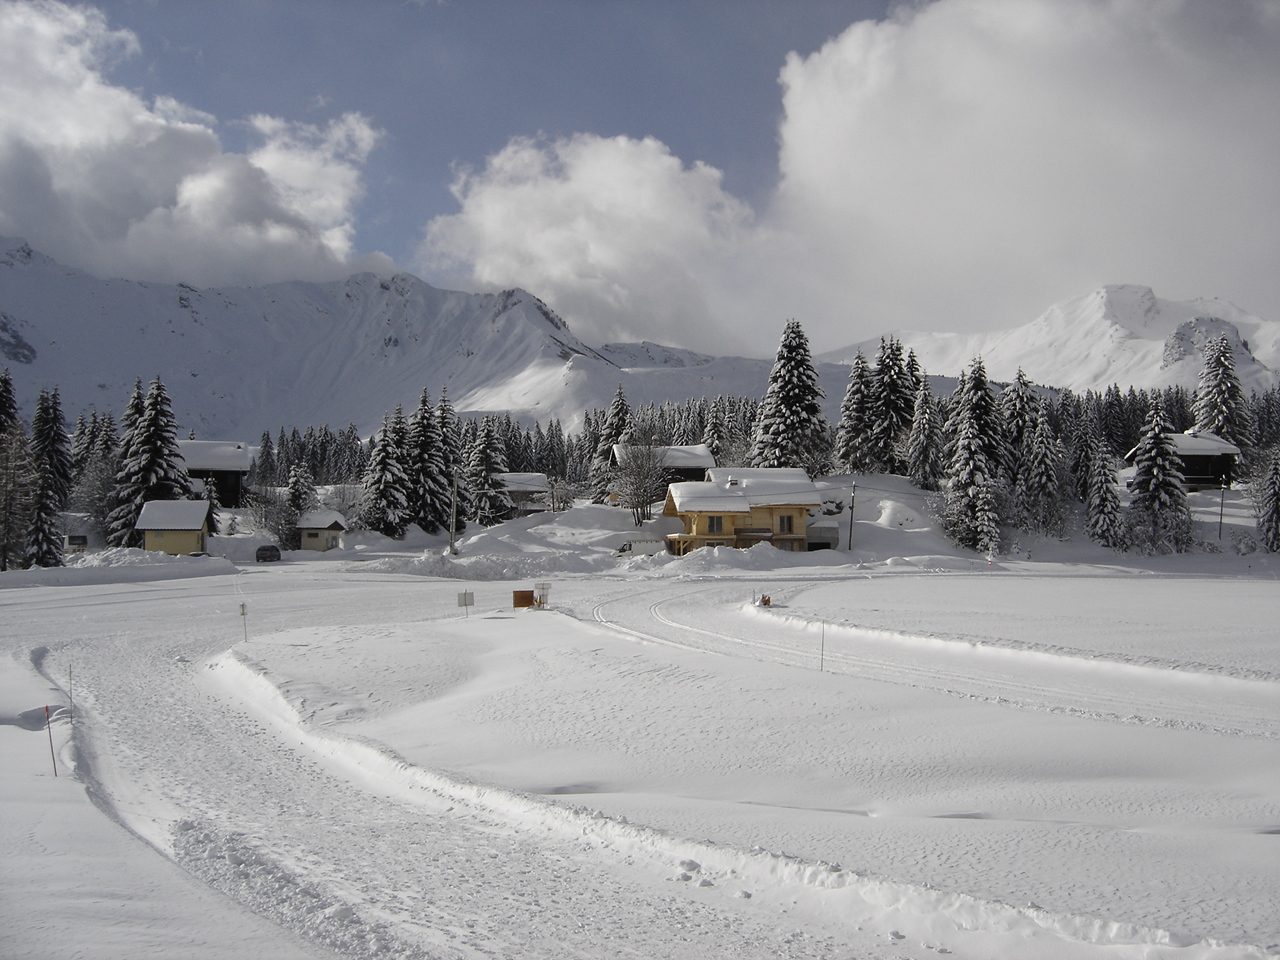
(742, 506)
(173, 526)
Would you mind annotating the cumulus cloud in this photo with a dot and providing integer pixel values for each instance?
(97, 177)
(608, 229)
(959, 165)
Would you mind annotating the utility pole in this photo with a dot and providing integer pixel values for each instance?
(852, 491)
(453, 516)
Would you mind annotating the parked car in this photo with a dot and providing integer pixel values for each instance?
(267, 554)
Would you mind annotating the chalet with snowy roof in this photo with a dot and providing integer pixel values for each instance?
(174, 526)
(679, 463)
(1207, 459)
(526, 491)
(743, 506)
(224, 463)
(321, 530)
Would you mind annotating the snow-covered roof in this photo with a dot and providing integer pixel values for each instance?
(525, 482)
(790, 474)
(172, 515)
(321, 520)
(693, 455)
(737, 490)
(215, 455)
(1197, 443)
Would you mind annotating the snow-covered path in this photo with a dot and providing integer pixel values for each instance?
(349, 862)
(1098, 778)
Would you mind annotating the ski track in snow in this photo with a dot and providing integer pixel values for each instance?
(364, 855)
(1106, 687)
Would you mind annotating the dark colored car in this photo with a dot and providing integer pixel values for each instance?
(267, 554)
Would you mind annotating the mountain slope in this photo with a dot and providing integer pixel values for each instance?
(241, 360)
(1121, 334)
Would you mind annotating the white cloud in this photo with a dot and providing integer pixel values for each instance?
(609, 230)
(95, 176)
(958, 166)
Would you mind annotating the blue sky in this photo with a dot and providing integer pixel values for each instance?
(452, 82)
(691, 173)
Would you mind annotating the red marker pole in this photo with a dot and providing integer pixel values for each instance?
(52, 755)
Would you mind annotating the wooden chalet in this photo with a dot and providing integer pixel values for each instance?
(743, 506)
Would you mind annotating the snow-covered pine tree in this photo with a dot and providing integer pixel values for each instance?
(1158, 519)
(924, 445)
(94, 490)
(892, 400)
(8, 403)
(264, 471)
(970, 513)
(1086, 442)
(1019, 407)
(429, 497)
(82, 438)
(1268, 506)
(617, 423)
(716, 433)
(1105, 521)
(299, 497)
(490, 502)
(853, 435)
(980, 404)
(51, 448)
(453, 465)
(1038, 497)
(51, 461)
(791, 431)
(151, 467)
(1220, 405)
(17, 491)
(384, 503)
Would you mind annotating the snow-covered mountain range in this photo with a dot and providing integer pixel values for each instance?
(1121, 334)
(241, 360)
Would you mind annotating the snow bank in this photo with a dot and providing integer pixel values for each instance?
(981, 926)
(117, 565)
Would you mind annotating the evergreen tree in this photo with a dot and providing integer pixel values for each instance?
(1039, 504)
(1158, 515)
(51, 460)
(1086, 444)
(892, 402)
(429, 497)
(1220, 406)
(617, 423)
(264, 470)
(93, 493)
(716, 432)
(299, 497)
(1019, 407)
(924, 445)
(490, 503)
(451, 457)
(17, 492)
(792, 431)
(384, 503)
(1105, 522)
(51, 449)
(1268, 505)
(853, 436)
(8, 404)
(151, 467)
(970, 512)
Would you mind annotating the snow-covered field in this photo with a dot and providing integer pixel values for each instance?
(911, 752)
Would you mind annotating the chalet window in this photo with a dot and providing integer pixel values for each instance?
(715, 524)
(785, 523)
(312, 535)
